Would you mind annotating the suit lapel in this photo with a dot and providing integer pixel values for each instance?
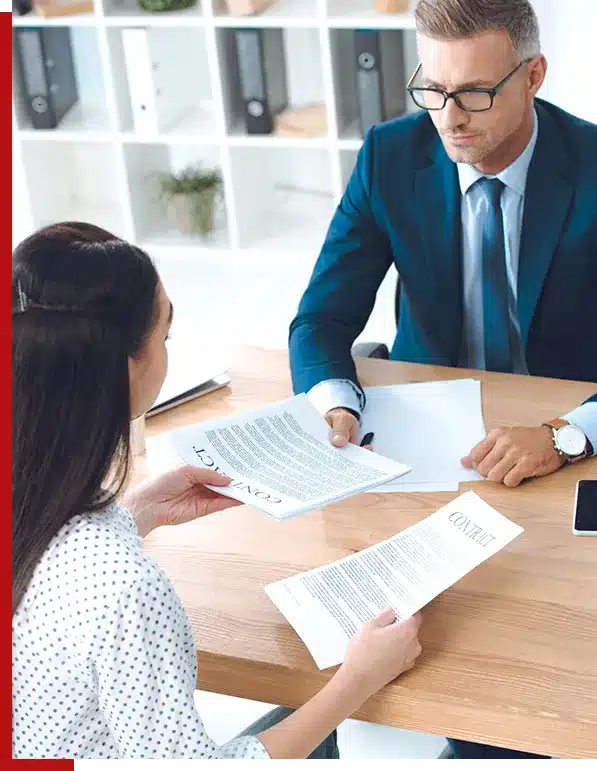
(438, 205)
(548, 199)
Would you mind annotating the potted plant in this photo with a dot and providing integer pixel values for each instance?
(191, 195)
(155, 6)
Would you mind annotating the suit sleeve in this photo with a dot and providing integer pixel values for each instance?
(340, 296)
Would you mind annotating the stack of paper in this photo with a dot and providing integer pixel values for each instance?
(328, 605)
(429, 427)
(281, 459)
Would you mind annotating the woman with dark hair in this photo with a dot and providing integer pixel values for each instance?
(104, 661)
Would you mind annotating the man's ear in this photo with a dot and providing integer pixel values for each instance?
(537, 73)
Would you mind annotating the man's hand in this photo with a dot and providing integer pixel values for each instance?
(510, 455)
(345, 427)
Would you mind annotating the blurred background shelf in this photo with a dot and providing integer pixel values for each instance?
(285, 197)
(80, 122)
(285, 13)
(362, 13)
(33, 20)
(193, 102)
(124, 12)
(86, 183)
(164, 92)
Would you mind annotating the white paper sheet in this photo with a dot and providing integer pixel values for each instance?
(281, 459)
(428, 426)
(328, 605)
(417, 487)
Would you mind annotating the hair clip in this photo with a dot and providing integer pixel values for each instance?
(25, 303)
(22, 297)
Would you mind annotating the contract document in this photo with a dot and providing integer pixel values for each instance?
(280, 458)
(428, 426)
(328, 605)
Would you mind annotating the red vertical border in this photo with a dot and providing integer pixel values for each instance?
(5, 374)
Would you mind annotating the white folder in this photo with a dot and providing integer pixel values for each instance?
(156, 78)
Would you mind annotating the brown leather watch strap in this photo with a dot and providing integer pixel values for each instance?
(557, 423)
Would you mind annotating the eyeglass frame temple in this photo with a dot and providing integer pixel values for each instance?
(414, 75)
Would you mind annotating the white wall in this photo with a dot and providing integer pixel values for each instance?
(568, 33)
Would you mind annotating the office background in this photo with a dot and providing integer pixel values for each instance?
(241, 284)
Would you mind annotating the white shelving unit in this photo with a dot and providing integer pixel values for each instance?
(279, 192)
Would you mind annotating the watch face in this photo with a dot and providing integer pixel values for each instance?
(571, 440)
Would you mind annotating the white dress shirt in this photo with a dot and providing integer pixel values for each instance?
(342, 393)
(104, 662)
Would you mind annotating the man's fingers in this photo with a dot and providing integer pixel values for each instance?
(514, 477)
(493, 457)
(339, 438)
(499, 471)
(478, 452)
(354, 430)
(344, 427)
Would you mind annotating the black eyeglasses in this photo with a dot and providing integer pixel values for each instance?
(469, 99)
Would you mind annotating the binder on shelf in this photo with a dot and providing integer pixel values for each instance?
(46, 72)
(22, 7)
(380, 76)
(157, 89)
(262, 75)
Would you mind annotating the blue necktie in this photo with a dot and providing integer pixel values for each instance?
(496, 317)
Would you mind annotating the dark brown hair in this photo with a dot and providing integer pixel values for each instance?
(83, 303)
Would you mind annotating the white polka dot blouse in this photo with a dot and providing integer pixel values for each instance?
(104, 662)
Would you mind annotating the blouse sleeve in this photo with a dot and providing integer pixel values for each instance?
(146, 677)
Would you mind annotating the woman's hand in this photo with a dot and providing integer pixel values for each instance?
(381, 651)
(176, 497)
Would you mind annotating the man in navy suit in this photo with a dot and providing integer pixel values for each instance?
(486, 202)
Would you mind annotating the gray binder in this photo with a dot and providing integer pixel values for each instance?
(380, 76)
(262, 75)
(46, 73)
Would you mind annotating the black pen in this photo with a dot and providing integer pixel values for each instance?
(367, 439)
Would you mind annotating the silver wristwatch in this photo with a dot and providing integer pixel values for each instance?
(568, 440)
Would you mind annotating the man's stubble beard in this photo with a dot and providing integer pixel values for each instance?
(471, 156)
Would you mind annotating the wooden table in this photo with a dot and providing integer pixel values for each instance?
(510, 652)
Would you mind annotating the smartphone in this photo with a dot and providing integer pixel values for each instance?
(585, 508)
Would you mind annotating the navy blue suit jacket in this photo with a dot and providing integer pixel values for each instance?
(402, 205)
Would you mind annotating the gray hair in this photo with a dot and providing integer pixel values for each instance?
(454, 19)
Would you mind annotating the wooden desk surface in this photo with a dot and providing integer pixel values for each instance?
(510, 652)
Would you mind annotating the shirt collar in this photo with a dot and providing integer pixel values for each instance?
(513, 176)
